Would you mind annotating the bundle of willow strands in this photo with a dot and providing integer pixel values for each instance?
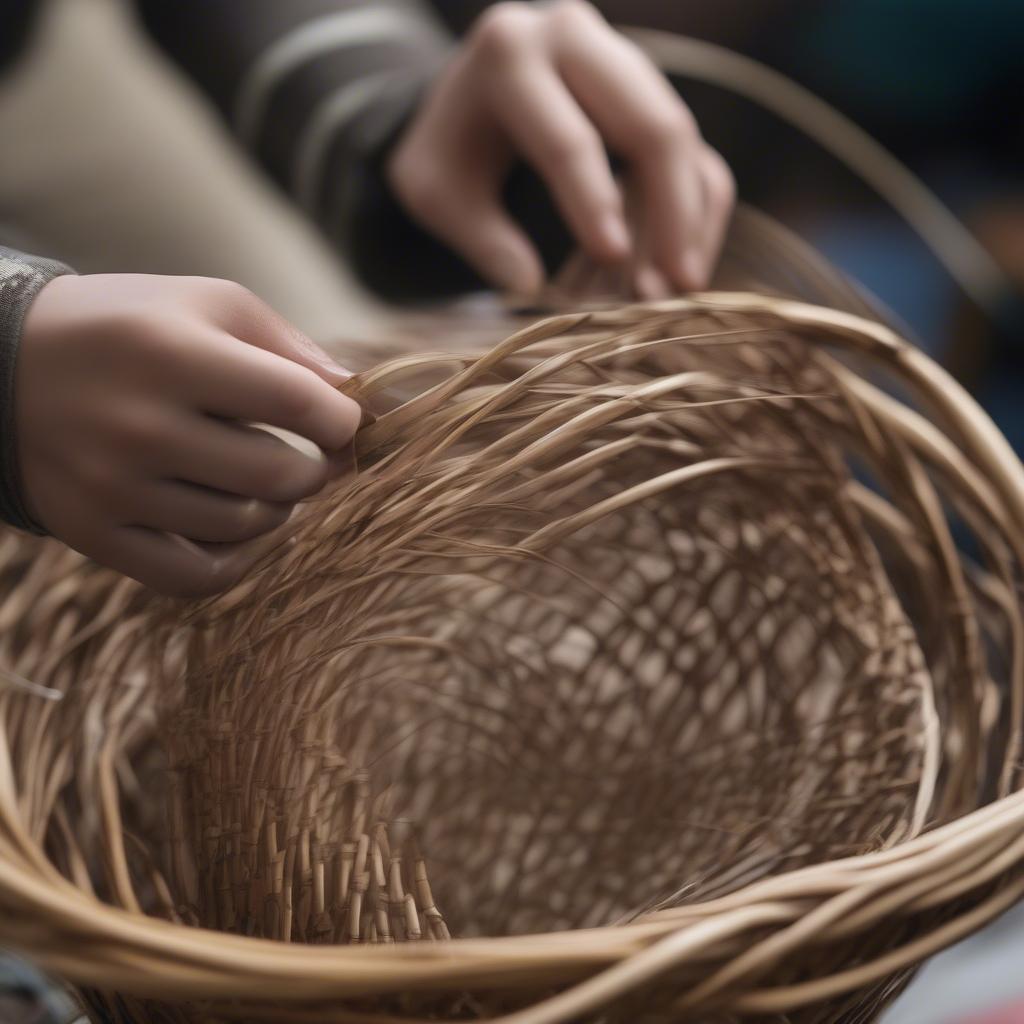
(685, 660)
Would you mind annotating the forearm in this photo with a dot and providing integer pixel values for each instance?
(21, 278)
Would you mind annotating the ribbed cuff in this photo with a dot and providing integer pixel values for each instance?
(21, 279)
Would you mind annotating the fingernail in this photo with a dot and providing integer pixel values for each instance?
(513, 274)
(650, 284)
(616, 235)
(301, 444)
(336, 368)
(692, 271)
(327, 361)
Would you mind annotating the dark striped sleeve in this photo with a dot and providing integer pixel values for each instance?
(317, 90)
(21, 279)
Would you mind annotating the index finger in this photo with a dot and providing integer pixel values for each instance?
(234, 380)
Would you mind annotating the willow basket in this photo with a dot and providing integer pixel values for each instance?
(656, 664)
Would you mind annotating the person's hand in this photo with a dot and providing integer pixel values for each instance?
(556, 85)
(134, 403)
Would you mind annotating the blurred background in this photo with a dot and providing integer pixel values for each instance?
(112, 161)
(119, 164)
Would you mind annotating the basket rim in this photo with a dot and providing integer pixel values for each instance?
(995, 830)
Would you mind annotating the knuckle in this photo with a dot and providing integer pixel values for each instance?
(100, 478)
(132, 332)
(571, 15)
(231, 299)
(230, 291)
(503, 30)
(140, 432)
(667, 127)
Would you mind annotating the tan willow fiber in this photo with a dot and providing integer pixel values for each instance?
(657, 654)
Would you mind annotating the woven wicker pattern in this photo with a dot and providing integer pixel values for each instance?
(662, 622)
